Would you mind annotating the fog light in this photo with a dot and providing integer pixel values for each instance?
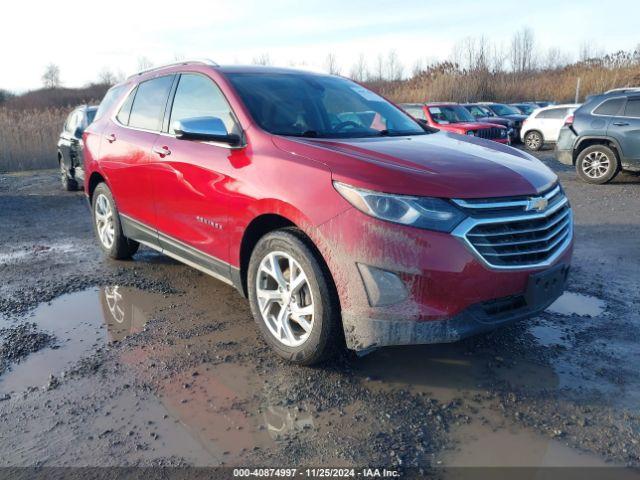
(383, 287)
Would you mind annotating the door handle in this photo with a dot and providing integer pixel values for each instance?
(111, 138)
(621, 124)
(162, 151)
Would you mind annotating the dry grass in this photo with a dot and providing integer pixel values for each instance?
(446, 83)
(28, 138)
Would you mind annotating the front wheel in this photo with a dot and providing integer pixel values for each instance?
(597, 164)
(533, 141)
(107, 226)
(292, 298)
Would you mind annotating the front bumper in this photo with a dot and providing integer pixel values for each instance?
(450, 292)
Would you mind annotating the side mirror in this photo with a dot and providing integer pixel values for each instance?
(210, 129)
(78, 133)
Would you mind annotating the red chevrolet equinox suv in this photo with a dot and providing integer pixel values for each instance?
(340, 217)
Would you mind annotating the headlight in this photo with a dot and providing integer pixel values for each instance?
(471, 132)
(421, 212)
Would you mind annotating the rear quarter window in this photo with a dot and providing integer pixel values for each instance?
(609, 107)
(109, 100)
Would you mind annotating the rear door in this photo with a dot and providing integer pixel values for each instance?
(625, 127)
(126, 148)
(192, 178)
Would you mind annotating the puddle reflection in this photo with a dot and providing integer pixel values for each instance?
(571, 303)
(81, 322)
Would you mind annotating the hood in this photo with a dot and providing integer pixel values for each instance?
(441, 164)
(517, 116)
(465, 126)
(495, 120)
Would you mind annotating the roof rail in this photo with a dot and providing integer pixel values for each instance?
(203, 61)
(623, 90)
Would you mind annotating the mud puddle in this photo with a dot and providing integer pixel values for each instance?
(451, 374)
(571, 303)
(81, 323)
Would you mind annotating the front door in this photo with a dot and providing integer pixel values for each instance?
(191, 179)
(626, 129)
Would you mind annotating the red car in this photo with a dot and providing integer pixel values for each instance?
(340, 217)
(457, 119)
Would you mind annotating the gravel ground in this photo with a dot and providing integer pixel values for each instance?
(151, 363)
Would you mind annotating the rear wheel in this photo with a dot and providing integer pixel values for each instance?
(597, 164)
(107, 226)
(533, 141)
(292, 299)
(68, 183)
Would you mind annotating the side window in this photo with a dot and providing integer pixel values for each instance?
(125, 109)
(553, 113)
(198, 96)
(416, 112)
(632, 109)
(149, 103)
(609, 107)
(110, 98)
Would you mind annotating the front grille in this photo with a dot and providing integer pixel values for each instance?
(490, 133)
(507, 235)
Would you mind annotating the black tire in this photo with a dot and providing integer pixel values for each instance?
(325, 337)
(69, 183)
(121, 247)
(533, 140)
(596, 155)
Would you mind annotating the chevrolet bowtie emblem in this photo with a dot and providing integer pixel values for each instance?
(537, 203)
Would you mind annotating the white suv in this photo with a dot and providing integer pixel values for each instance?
(543, 125)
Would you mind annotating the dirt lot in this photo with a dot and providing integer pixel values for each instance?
(149, 362)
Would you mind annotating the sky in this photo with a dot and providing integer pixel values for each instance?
(84, 38)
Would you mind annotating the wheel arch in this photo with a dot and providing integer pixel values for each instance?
(95, 179)
(586, 142)
(264, 224)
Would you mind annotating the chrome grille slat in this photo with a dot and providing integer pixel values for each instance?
(528, 252)
(505, 235)
(547, 237)
(525, 230)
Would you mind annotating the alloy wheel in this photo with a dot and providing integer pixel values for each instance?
(533, 141)
(104, 221)
(596, 164)
(284, 298)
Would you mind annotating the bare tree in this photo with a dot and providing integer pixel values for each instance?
(589, 50)
(51, 76)
(359, 69)
(107, 77)
(144, 63)
(522, 51)
(262, 59)
(378, 73)
(394, 67)
(178, 57)
(331, 64)
(555, 58)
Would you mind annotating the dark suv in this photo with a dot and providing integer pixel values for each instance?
(603, 136)
(70, 146)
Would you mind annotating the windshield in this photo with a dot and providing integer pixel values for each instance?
(478, 111)
(319, 106)
(450, 114)
(526, 109)
(500, 109)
